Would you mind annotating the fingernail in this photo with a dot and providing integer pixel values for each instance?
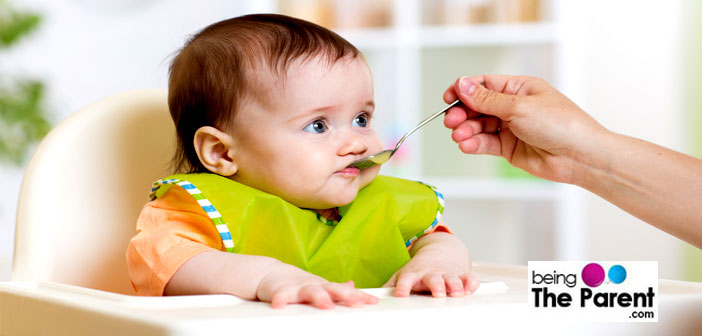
(466, 85)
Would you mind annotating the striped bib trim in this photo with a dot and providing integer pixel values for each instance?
(206, 205)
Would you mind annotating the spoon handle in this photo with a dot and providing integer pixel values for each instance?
(430, 118)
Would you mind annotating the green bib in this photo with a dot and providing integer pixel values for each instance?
(367, 245)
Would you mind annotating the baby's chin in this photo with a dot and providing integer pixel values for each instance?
(348, 195)
(333, 201)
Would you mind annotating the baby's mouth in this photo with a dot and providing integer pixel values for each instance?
(349, 171)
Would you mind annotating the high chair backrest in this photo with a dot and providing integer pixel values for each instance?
(84, 188)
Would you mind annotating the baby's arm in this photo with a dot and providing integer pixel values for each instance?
(440, 264)
(257, 277)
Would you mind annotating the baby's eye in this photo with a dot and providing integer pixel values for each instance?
(316, 126)
(361, 120)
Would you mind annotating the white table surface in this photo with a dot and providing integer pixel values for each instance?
(29, 308)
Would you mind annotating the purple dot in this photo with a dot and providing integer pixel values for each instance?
(593, 274)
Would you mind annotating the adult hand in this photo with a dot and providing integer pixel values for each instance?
(525, 120)
(538, 129)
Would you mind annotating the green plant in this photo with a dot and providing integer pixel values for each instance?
(23, 119)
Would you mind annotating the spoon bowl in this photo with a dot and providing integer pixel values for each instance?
(372, 160)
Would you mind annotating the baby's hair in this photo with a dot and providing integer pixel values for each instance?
(210, 76)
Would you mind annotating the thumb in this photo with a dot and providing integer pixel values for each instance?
(482, 100)
(391, 281)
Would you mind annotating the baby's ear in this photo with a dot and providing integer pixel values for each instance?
(215, 149)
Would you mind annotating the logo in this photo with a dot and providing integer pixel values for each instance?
(595, 291)
(594, 275)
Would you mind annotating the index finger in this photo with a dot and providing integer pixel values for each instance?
(405, 283)
(457, 115)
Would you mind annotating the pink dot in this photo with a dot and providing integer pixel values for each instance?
(593, 274)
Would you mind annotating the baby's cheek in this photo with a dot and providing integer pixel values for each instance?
(375, 145)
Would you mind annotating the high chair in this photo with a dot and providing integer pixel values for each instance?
(84, 188)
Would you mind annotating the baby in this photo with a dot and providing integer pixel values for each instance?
(270, 111)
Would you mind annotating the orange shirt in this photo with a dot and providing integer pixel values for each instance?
(171, 230)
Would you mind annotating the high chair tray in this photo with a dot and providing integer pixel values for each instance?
(499, 306)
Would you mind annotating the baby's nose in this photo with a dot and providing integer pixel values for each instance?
(353, 144)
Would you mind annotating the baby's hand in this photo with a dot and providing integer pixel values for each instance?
(431, 277)
(440, 266)
(288, 284)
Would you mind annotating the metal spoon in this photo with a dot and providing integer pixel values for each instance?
(383, 156)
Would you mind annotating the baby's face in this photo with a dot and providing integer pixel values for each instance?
(298, 145)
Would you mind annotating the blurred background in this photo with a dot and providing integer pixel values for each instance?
(635, 65)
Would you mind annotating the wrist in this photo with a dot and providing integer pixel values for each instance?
(592, 164)
(270, 273)
(280, 274)
(445, 248)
